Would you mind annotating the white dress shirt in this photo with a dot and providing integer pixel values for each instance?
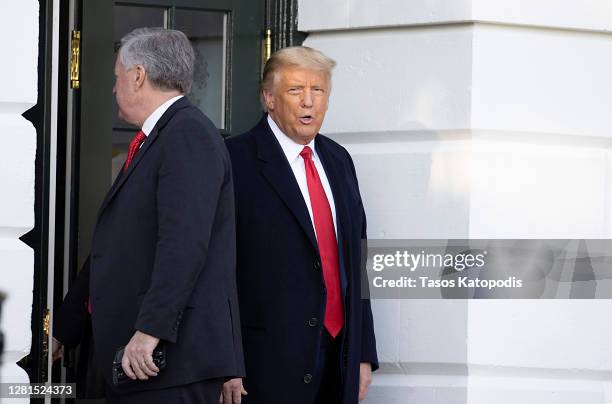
(150, 122)
(292, 151)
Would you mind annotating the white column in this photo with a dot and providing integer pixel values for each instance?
(542, 138)
(18, 81)
(478, 118)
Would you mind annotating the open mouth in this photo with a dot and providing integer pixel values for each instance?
(306, 119)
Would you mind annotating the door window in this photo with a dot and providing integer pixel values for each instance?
(207, 32)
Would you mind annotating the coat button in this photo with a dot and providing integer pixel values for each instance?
(317, 265)
(307, 378)
(313, 322)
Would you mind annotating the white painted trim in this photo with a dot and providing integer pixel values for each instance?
(52, 177)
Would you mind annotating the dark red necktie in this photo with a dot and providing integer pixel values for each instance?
(328, 246)
(134, 146)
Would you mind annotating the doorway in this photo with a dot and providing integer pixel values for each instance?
(227, 38)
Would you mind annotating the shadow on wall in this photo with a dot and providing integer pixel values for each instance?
(414, 183)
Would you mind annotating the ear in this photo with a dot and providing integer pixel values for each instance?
(269, 99)
(139, 76)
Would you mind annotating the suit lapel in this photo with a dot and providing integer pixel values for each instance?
(275, 168)
(122, 177)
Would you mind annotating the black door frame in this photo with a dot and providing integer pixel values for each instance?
(281, 19)
(35, 364)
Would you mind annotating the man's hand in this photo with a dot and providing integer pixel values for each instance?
(57, 349)
(365, 379)
(232, 393)
(137, 359)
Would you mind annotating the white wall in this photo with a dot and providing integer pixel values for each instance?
(18, 81)
(478, 118)
(323, 15)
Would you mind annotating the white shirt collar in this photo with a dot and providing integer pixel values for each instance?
(151, 121)
(291, 149)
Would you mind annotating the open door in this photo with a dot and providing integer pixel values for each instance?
(226, 35)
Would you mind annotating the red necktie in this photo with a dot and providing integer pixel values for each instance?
(134, 146)
(328, 246)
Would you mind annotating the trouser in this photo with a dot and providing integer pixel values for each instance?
(202, 392)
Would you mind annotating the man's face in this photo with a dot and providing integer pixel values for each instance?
(125, 91)
(298, 101)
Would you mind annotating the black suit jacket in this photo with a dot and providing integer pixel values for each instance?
(280, 282)
(163, 257)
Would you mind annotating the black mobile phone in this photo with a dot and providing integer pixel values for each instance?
(119, 376)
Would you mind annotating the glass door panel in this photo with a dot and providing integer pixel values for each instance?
(207, 31)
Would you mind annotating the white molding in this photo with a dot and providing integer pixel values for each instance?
(52, 180)
(587, 15)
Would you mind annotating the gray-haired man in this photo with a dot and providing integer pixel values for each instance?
(161, 268)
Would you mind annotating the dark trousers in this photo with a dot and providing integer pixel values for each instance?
(329, 377)
(203, 392)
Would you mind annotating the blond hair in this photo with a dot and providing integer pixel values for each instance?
(295, 56)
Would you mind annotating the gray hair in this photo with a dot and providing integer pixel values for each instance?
(295, 56)
(166, 55)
